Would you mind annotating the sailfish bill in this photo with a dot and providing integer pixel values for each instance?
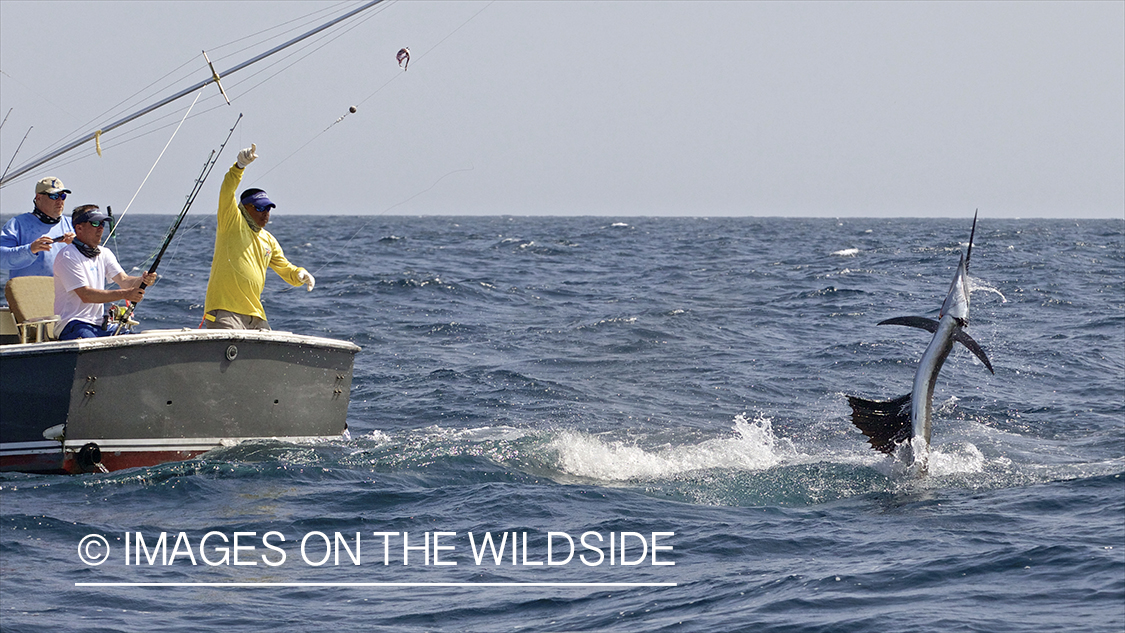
(906, 421)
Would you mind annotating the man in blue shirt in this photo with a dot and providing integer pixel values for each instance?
(30, 241)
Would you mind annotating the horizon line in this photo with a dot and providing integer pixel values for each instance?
(376, 584)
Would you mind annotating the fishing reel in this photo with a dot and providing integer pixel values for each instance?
(120, 317)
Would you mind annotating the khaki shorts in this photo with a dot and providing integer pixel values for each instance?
(226, 320)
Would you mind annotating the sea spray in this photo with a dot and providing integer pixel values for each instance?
(753, 447)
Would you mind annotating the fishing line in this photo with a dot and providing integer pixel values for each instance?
(113, 231)
(380, 88)
(336, 31)
(353, 109)
(343, 29)
(171, 257)
(431, 49)
(208, 165)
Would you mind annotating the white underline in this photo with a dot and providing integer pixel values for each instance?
(375, 584)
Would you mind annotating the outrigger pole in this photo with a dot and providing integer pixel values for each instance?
(214, 77)
(208, 165)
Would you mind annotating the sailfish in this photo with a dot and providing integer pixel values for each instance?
(906, 421)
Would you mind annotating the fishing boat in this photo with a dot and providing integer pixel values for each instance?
(110, 403)
(105, 404)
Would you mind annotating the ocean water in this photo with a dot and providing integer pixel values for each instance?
(677, 386)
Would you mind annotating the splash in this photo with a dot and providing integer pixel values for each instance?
(754, 447)
(376, 437)
(956, 459)
(976, 284)
(846, 252)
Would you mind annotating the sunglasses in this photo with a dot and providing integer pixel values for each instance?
(97, 224)
(56, 196)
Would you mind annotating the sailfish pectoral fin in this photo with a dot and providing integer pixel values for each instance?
(885, 423)
(966, 340)
(922, 323)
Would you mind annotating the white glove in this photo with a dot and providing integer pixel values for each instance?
(247, 156)
(306, 278)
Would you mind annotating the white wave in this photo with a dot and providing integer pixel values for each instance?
(846, 252)
(753, 447)
(627, 319)
(485, 433)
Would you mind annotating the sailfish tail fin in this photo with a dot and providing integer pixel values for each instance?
(885, 423)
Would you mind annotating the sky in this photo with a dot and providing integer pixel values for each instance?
(825, 109)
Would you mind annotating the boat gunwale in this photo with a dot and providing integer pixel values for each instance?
(184, 335)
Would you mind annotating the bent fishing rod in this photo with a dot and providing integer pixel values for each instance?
(208, 165)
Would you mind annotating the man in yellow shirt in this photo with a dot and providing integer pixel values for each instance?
(243, 250)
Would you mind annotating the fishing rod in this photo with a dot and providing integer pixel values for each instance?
(215, 76)
(208, 165)
(16, 153)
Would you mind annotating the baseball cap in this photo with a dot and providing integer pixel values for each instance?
(91, 215)
(258, 198)
(50, 184)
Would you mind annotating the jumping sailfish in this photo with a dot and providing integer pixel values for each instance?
(905, 421)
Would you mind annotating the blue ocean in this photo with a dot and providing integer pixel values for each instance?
(626, 424)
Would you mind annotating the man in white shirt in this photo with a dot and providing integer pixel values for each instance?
(81, 271)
